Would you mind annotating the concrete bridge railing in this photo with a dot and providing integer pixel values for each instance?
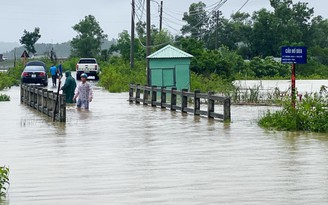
(157, 97)
(45, 101)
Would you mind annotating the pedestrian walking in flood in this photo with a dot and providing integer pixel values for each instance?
(69, 87)
(53, 72)
(60, 71)
(83, 93)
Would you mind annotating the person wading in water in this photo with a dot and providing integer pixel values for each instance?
(69, 87)
(84, 93)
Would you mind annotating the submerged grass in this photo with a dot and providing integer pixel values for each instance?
(4, 97)
(309, 115)
(4, 181)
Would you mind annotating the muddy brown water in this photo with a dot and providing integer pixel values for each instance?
(121, 153)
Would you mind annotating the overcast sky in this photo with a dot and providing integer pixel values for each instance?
(56, 18)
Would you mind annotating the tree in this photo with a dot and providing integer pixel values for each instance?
(123, 47)
(197, 20)
(89, 39)
(288, 24)
(29, 39)
(162, 38)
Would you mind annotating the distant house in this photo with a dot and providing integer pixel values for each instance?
(1, 57)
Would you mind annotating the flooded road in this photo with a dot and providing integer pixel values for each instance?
(121, 153)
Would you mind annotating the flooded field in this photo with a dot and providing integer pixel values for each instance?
(121, 153)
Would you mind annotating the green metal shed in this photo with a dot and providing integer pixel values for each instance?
(170, 67)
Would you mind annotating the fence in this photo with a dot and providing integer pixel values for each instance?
(150, 97)
(44, 101)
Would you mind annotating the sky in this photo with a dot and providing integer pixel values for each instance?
(56, 18)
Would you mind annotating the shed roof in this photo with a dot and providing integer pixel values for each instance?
(169, 52)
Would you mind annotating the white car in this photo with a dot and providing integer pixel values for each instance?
(88, 66)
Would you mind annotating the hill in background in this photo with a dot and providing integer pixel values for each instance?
(63, 50)
(5, 47)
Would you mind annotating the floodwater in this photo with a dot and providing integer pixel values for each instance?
(121, 153)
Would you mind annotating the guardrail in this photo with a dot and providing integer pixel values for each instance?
(44, 101)
(150, 97)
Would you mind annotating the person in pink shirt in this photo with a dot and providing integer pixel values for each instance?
(83, 93)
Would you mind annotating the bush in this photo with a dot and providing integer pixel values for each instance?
(4, 181)
(4, 97)
(117, 75)
(212, 82)
(70, 64)
(309, 115)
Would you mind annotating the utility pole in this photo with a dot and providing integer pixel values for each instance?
(161, 17)
(148, 43)
(217, 14)
(133, 13)
(15, 58)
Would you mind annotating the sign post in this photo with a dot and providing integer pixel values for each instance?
(293, 55)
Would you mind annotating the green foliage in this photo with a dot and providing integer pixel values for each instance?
(70, 64)
(212, 82)
(29, 39)
(6, 81)
(268, 67)
(163, 38)
(223, 62)
(117, 75)
(89, 39)
(4, 181)
(196, 19)
(123, 47)
(11, 77)
(310, 115)
(4, 97)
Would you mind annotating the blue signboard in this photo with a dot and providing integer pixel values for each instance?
(294, 55)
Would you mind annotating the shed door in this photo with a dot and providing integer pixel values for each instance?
(168, 77)
(157, 77)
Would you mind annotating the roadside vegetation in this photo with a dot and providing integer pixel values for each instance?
(4, 182)
(11, 77)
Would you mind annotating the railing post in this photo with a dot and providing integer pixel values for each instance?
(210, 105)
(163, 97)
(29, 95)
(35, 90)
(153, 96)
(184, 100)
(44, 100)
(173, 98)
(145, 95)
(39, 99)
(50, 102)
(137, 94)
(131, 94)
(227, 110)
(21, 93)
(196, 102)
(62, 108)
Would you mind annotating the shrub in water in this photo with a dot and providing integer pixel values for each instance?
(4, 97)
(4, 181)
(309, 115)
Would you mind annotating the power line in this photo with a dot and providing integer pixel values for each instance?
(241, 7)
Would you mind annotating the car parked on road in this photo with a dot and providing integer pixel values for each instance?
(88, 66)
(35, 72)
